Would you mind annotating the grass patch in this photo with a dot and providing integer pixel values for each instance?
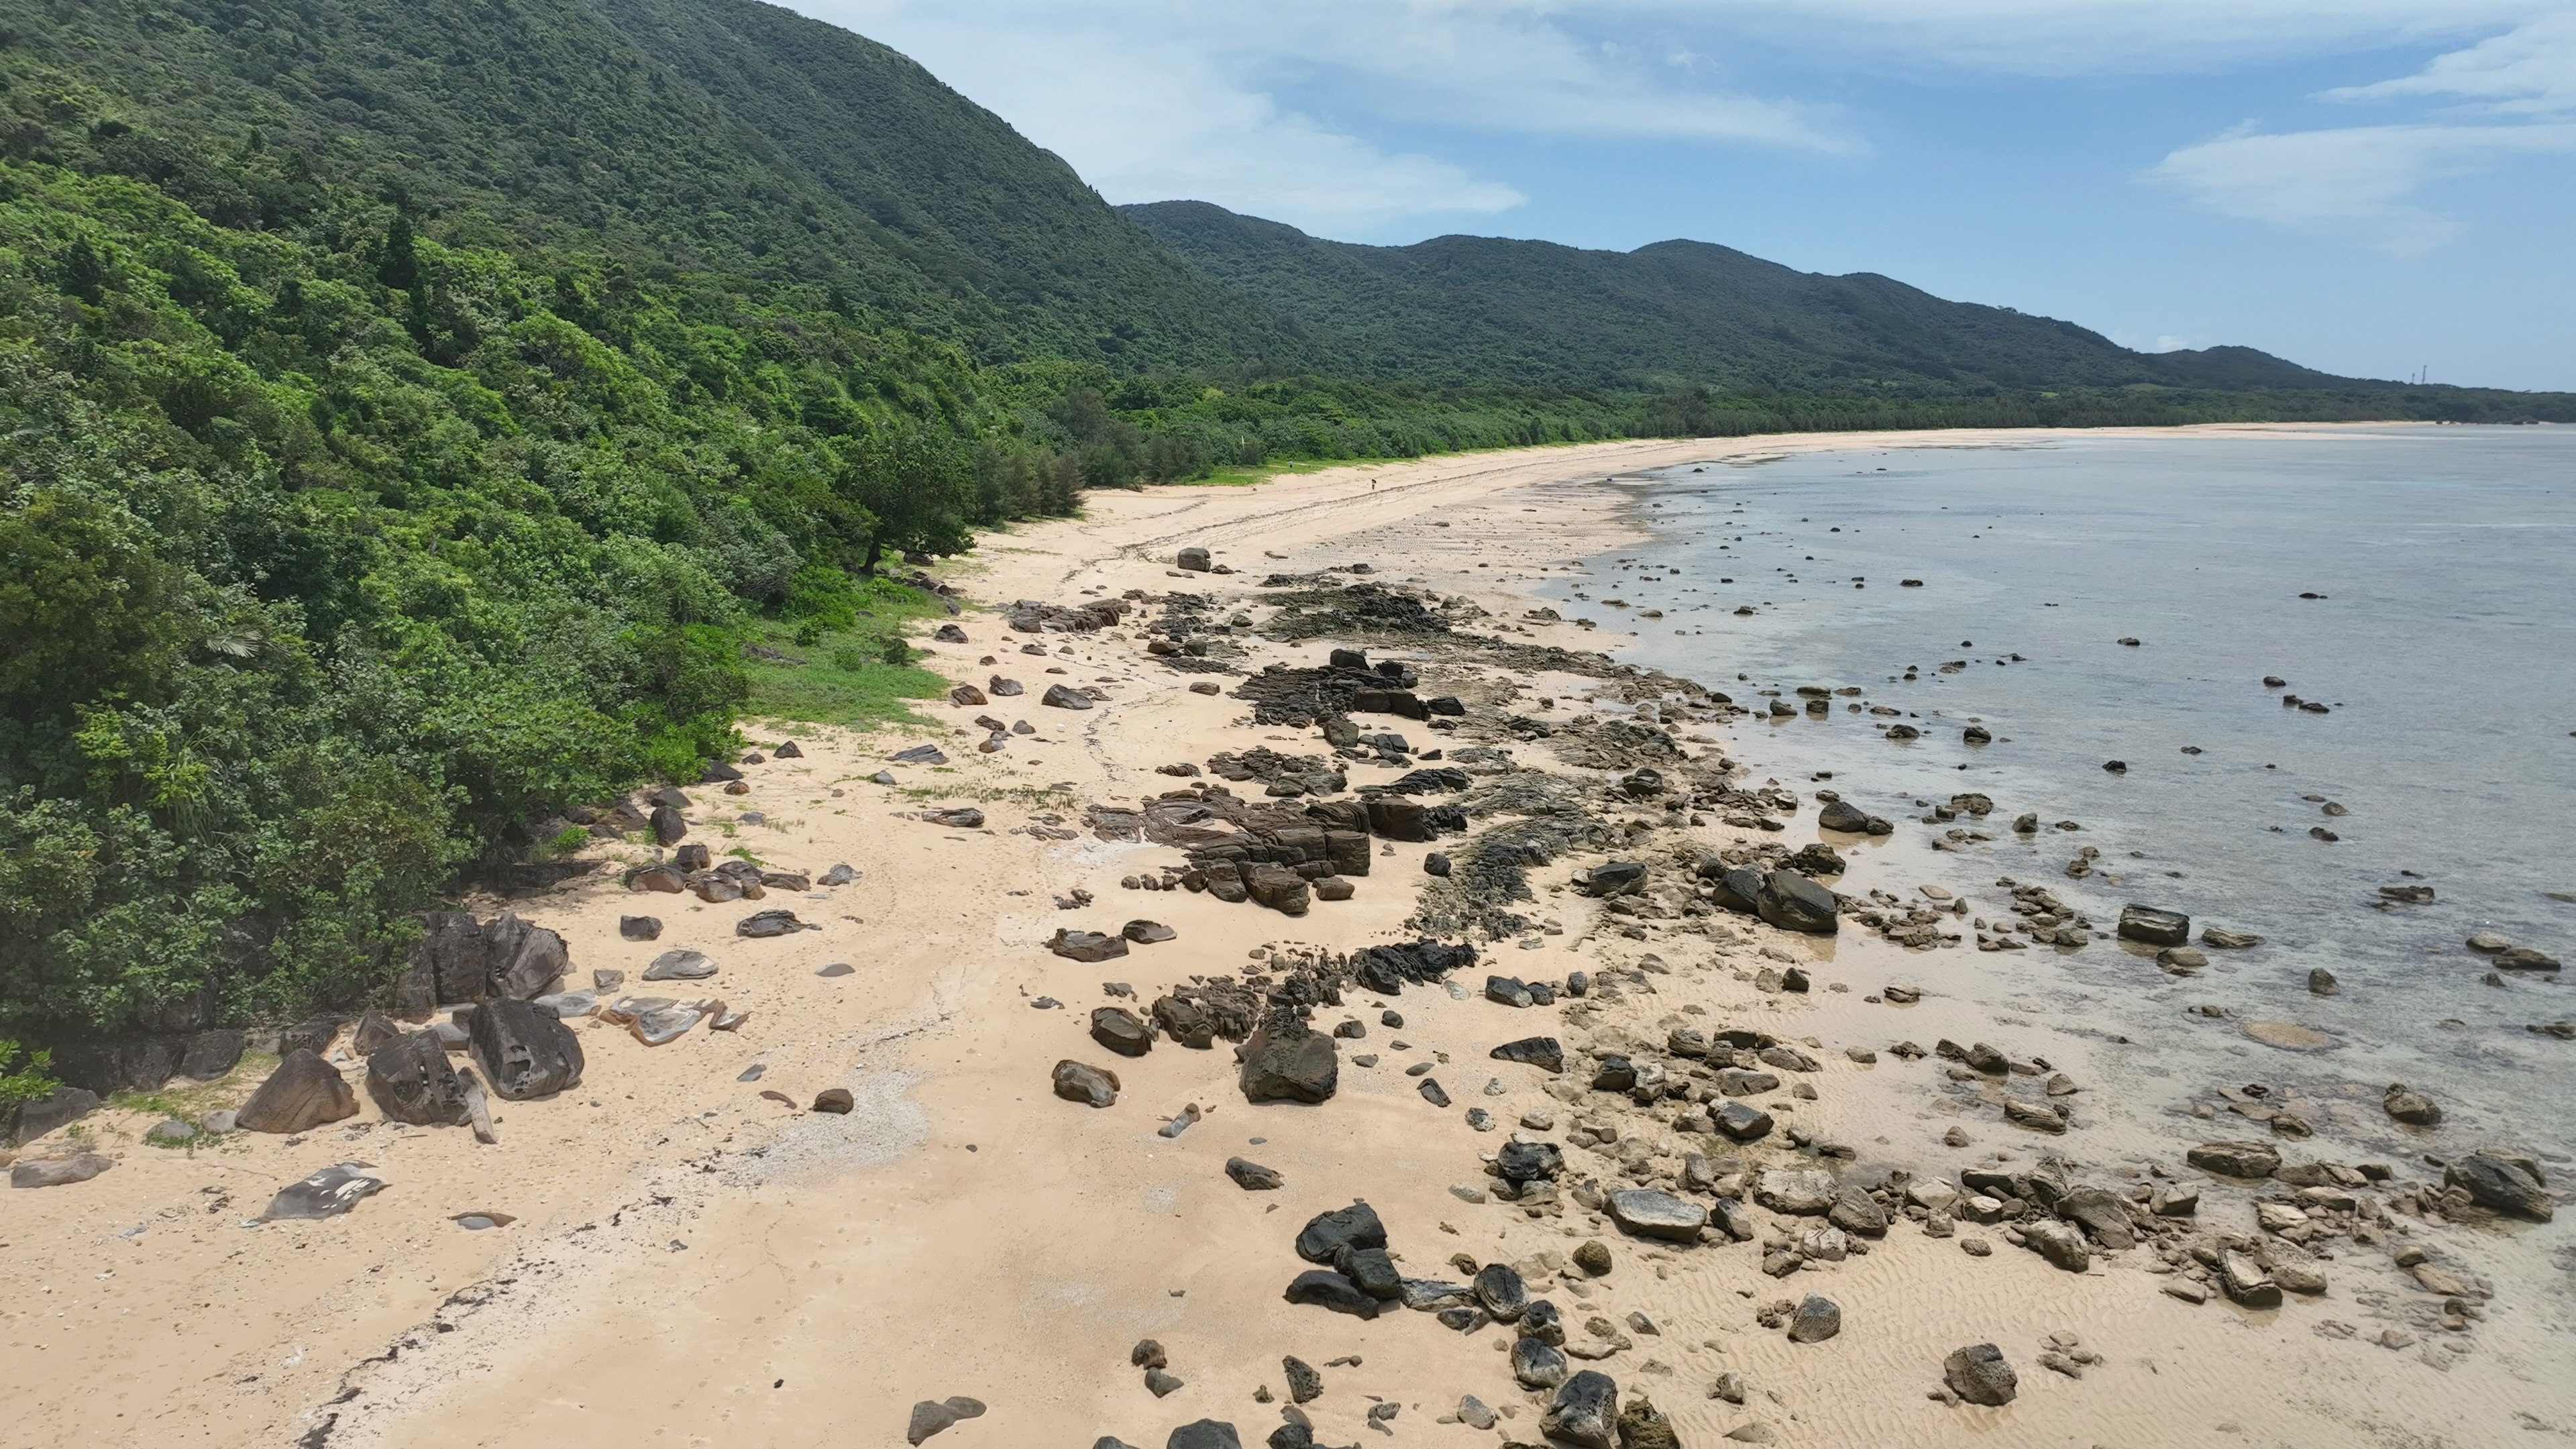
(1241, 477)
(192, 1105)
(860, 677)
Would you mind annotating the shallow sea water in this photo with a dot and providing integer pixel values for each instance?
(2445, 646)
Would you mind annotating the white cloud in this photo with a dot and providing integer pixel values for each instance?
(1277, 111)
(2357, 179)
(2054, 37)
(2364, 179)
(2530, 70)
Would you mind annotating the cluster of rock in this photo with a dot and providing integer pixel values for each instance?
(1031, 616)
(1279, 1055)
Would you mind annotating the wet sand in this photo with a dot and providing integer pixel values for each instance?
(693, 1263)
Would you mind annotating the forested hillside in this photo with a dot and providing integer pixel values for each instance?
(422, 412)
(1459, 309)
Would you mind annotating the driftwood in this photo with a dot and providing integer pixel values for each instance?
(478, 1109)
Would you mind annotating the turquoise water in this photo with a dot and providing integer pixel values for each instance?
(2444, 647)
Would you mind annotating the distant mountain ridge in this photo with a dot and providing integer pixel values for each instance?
(1459, 310)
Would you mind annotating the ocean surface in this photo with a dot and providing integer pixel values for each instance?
(2441, 639)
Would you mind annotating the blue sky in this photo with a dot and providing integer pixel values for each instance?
(2365, 186)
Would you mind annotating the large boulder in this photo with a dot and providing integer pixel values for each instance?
(1080, 1082)
(669, 825)
(1325, 1288)
(59, 1171)
(211, 1054)
(527, 961)
(2153, 927)
(1585, 1411)
(1792, 902)
(1542, 1052)
(303, 1093)
(1735, 888)
(1394, 818)
(1086, 946)
(1281, 889)
(2236, 1158)
(2494, 1182)
(1844, 816)
(1618, 878)
(524, 1052)
(1520, 1162)
(1327, 1234)
(410, 1080)
(1284, 1061)
(1979, 1375)
(1118, 1029)
(1815, 1320)
(58, 1108)
(1653, 1213)
(471, 961)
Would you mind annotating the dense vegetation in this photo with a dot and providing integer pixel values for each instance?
(1773, 347)
(424, 416)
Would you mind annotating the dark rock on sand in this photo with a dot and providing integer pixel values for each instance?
(1618, 878)
(762, 925)
(1742, 1121)
(1252, 1176)
(1325, 1288)
(1076, 1082)
(1792, 902)
(1815, 1320)
(1327, 1234)
(1304, 1384)
(326, 1194)
(410, 1080)
(1086, 946)
(1979, 1375)
(1585, 1411)
(1542, 1052)
(932, 1415)
(524, 1052)
(1373, 1269)
(1519, 1162)
(1284, 1061)
(1121, 1031)
(1538, 1365)
(1499, 1287)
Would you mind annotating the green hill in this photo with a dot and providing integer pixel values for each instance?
(1460, 311)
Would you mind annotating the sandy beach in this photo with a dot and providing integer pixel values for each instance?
(690, 1261)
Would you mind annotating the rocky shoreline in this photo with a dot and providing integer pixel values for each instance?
(1300, 918)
